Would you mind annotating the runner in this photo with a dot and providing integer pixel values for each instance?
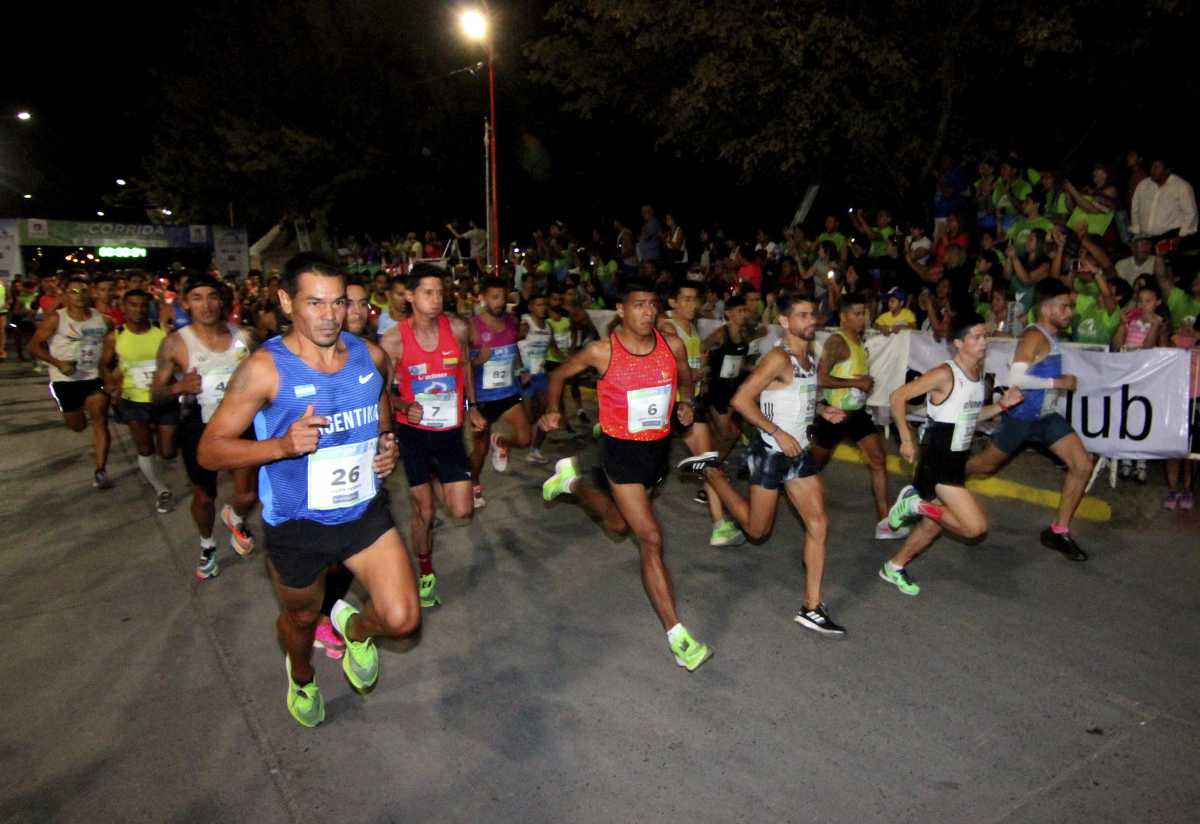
(684, 300)
(496, 363)
(195, 364)
(318, 400)
(396, 309)
(780, 398)
(640, 371)
(954, 404)
(70, 339)
(534, 340)
(358, 309)
(429, 352)
(1037, 371)
(728, 351)
(847, 382)
(563, 345)
(134, 348)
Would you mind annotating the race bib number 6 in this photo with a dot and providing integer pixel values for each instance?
(648, 408)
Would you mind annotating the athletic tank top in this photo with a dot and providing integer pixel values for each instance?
(496, 378)
(855, 366)
(80, 341)
(335, 483)
(385, 321)
(535, 347)
(215, 368)
(727, 361)
(137, 357)
(1038, 403)
(637, 392)
(793, 407)
(959, 409)
(561, 331)
(433, 379)
(180, 316)
(694, 347)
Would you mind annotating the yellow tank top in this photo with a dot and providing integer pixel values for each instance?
(854, 366)
(694, 347)
(560, 331)
(136, 357)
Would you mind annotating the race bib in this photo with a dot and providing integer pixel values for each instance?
(964, 430)
(696, 362)
(535, 362)
(498, 374)
(439, 411)
(212, 389)
(648, 408)
(855, 399)
(141, 373)
(563, 341)
(731, 365)
(87, 355)
(1050, 401)
(341, 476)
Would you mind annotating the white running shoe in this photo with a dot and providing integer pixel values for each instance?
(884, 531)
(535, 456)
(499, 455)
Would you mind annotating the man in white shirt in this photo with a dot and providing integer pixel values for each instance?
(1163, 203)
(1141, 262)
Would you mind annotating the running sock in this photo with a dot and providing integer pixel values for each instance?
(149, 467)
(930, 510)
(207, 546)
(236, 518)
(571, 484)
(892, 567)
(674, 633)
(425, 563)
(1060, 530)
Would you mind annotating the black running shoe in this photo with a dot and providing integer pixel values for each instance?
(698, 463)
(1063, 543)
(701, 497)
(818, 620)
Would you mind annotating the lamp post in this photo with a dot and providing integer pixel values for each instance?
(476, 26)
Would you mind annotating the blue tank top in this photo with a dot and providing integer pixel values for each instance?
(335, 484)
(1038, 403)
(182, 318)
(497, 378)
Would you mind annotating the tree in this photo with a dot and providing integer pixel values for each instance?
(850, 91)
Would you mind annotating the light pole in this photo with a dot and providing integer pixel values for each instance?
(476, 26)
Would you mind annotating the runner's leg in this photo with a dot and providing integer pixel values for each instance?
(245, 491)
(299, 611)
(97, 411)
(960, 514)
(755, 515)
(808, 497)
(698, 439)
(518, 419)
(480, 443)
(168, 446)
(986, 463)
(1079, 469)
(876, 458)
(386, 572)
(633, 503)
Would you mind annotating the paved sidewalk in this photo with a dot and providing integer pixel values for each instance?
(1017, 687)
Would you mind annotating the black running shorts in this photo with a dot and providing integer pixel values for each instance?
(429, 453)
(857, 426)
(772, 469)
(72, 395)
(937, 464)
(633, 462)
(163, 414)
(493, 411)
(301, 550)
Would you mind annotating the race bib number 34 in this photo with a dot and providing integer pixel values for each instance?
(648, 408)
(341, 476)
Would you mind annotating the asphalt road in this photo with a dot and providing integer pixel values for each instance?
(1017, 687)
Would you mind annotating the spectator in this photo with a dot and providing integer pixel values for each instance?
(1008, 193)
(1164, 206)
(1096, 204)
(982, 191)
(650, 245)
(898, 316)
(1031, 218)
(918, 245)
(748, 269)
(626, 249)
(1054, 196)
(950, 191)
(1143, 325)
(676, 241)
(1141, 262)
(833, 234)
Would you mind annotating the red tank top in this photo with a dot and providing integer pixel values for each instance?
(433, 379)
(637, 392)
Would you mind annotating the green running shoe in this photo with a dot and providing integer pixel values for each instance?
(361, 661)
(900, 578)
(304, 703)
(427, 590)
(560, 481)
(726, 533)
(690, 653)
(905, 508)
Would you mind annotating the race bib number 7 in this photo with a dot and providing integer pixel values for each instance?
(341, 476)
(648, 408)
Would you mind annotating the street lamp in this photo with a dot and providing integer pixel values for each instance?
(24, 116)
(99, 213)
(120, 181)
(476, 26)
(28, 197)
(167, 212)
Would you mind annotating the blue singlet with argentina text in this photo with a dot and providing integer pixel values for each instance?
(334, 484)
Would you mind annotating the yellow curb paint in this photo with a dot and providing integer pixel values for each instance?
(1091, 509)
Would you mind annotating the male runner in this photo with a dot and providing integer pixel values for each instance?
(684, 300)
(780, 398)
(396, 309)
(954, 404)
(69, 339)
(640, 371)
(534, 341)
(496, 363)
(318, 400)
(134, 348)
(429, 354)
(728, 350)
(564, 343)
(358, 308)
(196, 363)
(1037, 371)
(847, 382)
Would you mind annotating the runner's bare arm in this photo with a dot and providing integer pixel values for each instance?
(1032, 348)
(1011, 397)
(387, 453)
(679, 350)
(251, 387)
(172, 359)
(110, 373)
(596, 355)
(39, 346)
(715, 339)
(745, 401)
(939, 381)
(461, 331)
(834, 352)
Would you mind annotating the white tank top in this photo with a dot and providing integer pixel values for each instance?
(535, 346)
(215, 368)
(793, 407)
(960, 408)
(78, 341)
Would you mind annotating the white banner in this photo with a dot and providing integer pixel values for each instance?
(231, 253)
(11, 265)
(1128, 405)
